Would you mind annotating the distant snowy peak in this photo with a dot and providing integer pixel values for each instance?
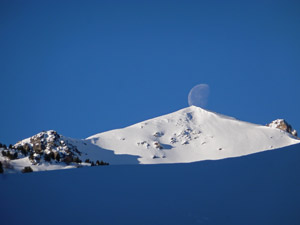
(283, 125)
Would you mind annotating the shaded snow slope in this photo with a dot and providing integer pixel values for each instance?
(259, 189)
(189, 135)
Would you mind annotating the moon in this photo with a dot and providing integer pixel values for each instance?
(198, 95)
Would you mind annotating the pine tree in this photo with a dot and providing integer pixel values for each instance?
(8, 155)
(76, 159)
(24, 152)
(1, 167)
(15, 155)
(57, 158)
(27, 169)
(47, 157)
(31, 156)
(103, 163)
(51, 154)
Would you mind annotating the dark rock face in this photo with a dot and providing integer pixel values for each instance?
(283, 125)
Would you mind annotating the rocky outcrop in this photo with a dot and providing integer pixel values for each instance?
(44, 149)
(50, 146)
(283, 125)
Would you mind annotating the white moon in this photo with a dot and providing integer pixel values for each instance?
(198, 95)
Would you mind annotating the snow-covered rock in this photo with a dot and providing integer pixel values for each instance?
(283, 125)
(46, 150)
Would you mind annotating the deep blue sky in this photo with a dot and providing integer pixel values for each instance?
(84, 67)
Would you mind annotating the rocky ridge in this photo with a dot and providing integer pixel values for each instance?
(283, 125)
(47, 147)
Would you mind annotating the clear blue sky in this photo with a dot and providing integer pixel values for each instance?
(84, 67)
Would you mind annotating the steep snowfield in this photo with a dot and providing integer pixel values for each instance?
(189, 135)
(260, 189)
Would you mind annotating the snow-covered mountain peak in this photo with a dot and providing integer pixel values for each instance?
(190, 116)
(191, 134)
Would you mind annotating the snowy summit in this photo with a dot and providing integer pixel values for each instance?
(189, 135)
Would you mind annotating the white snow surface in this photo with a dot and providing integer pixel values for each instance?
(189, 135)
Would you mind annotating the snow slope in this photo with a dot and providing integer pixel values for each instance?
(189, 135)
(260, 189)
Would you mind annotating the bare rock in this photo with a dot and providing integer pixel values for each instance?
(283, 125)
